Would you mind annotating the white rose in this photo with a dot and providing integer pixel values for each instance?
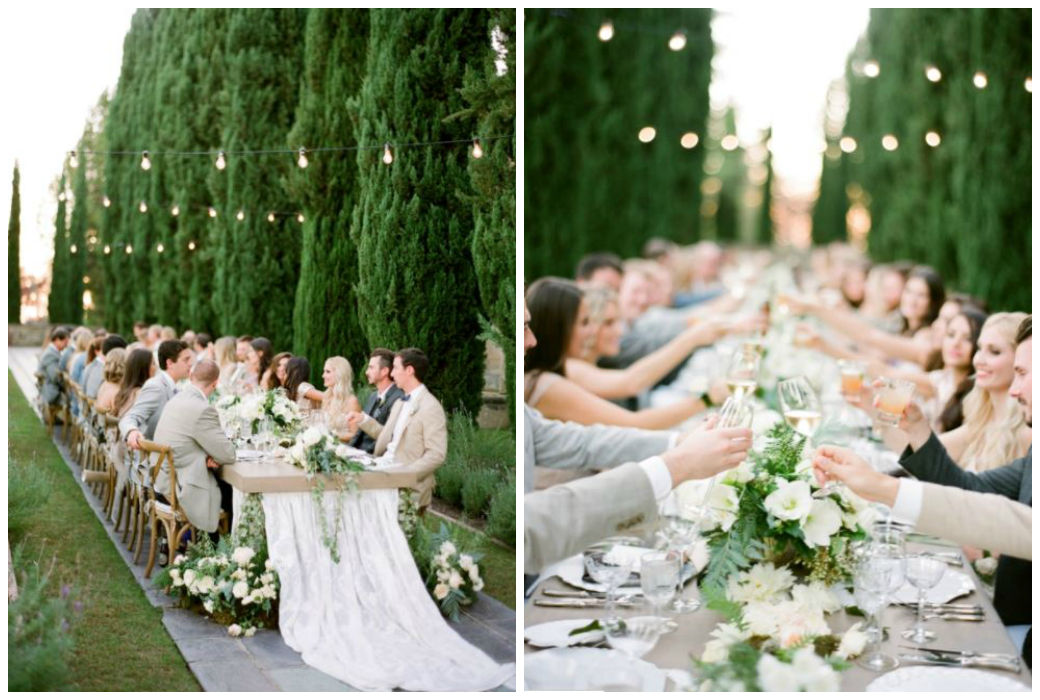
(312, 436)
(208, 605)
(270, 592)
(474, 573)
(448, 548)
(178, 560)
(269, 565)
(823, 520)
(266, 578)
(456, 580)
(790, 501)
(466, 561)
(234, 630)
(343, 452)
(243, 555)
(250, 632)
(715, 652)
(853, 642)
(441, 591)
(175, 574)
(775, 676)
(248, 600)
(189, 577)
(478, 584)
(760, 618)
(240, 589)
(986, 565)
(298, 453)
(443, 575)
(207, 584)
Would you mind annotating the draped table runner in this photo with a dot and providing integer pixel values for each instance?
(367, 620)
(673, 650)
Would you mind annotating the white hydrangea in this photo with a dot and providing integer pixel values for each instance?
(243, 555)
(311, 436)
(240, 589)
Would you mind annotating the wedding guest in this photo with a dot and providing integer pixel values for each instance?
(227, 359)
(92, 380)
(600, 268)
(143, 416)
(94, 361)
(242, 346)
(560, 319)
(854, 282)
(81, 339)
(141, 331)
(298, 387)
(66, 354)
(258, 360)
(189, 338)
(203, 347)
(953, 381)
(154, 337)
(140, 367)
(190, 426)
(378, 404)
(170, 333)
(338, 400)
(115, 367)
(49, 367)
(416, 434)
(275, 376)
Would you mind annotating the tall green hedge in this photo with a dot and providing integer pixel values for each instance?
(14, 269)
(58, 300)
(73, 288)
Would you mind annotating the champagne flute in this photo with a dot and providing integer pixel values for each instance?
(800, 406)
(610, 571)
(924, 572)
(735, 413)
(742, 375)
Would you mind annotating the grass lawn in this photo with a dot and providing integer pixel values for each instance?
(121, 643)
(497, 568)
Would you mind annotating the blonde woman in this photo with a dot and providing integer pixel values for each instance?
(227, 360)
(115, 366)
(994, 432)
(81, 338)
(339, 397)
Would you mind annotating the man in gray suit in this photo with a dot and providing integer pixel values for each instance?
(50, 367)
(191, 428)
(380, 401)
(142, 418)
(94, 374)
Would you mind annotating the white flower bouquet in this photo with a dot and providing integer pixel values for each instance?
(249, 410)
(454, 577)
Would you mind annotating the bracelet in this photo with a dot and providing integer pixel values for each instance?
(706, 398)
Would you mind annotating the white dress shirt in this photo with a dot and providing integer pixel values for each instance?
(657, 471)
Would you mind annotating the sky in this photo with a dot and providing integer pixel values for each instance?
(773, 62)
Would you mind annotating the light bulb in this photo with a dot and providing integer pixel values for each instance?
(73, 160)
(129, 249)
(107, 202)
(730, 142)
(933, 74)
(212, 213)
(270, 217)
(647, 134)
(191, 245)
(221, 161)
(388, 156)
(478, 152)
(146, 162)
(108, 249)
(1029, 84)
(678, 41)
(302, 160)
(932, 138)
(73, 248)
(299, 218)
(241, 215)
(980, 80)
(889, 142)
(871, 69)
(848, 144)
(159, 248)
(143, 208)
(689, 140)
(606, 31)
(176, 210)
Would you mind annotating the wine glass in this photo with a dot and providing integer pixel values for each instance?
(799, 404)
(658, 575)
(609, 571)
(924, 572)
(680, 534)
(893, 398)
(876, 579)
(634, 638)
(735, 413)
(742, 375)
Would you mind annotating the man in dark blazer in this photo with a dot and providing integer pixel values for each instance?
(926, 458)
(381, 400)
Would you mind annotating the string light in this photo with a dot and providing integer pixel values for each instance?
(108, 249)
(606, 31)
(689, 140)
(241, 215)
(932, 138)
(302, 160)
(1029, 84)
(980, 80)
(143, 208)
(299, 218)
(73, 160)
(889, 142)
(388, 157)
(191, 245)
(647, 134)
(129, 249)
(221, 161)
(159, 248)
(678, 41)
(730, 142)
(176, 210)
(933, 74)
(871, 69)
(270, 217)
(73, 249)
(146, 162)
(848, 144)
(212, 213)
(478, 152)
(107, 202)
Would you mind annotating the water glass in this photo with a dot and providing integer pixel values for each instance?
(924, 572)
(893, 398)
(609, 571)
(876, 579)
(634, 638)
(658, 577)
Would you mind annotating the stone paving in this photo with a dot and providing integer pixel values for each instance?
(263, 662)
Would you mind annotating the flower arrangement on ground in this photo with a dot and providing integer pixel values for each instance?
(452, 576)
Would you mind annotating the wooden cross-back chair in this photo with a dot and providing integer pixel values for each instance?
(170, 516)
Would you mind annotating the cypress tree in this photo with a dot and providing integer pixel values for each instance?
(764, 220)
(14, 268)
(325, 319)
(414, 233)
(57, 302)
(258, 261)
(78, 240)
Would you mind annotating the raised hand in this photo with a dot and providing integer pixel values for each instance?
(832, 463)
(913, 421)
(706, 451)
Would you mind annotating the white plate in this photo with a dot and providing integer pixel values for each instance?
(572, 569)
(557, 632)
(590, 669)
(952, 586)
(912, 679)
(249, 455)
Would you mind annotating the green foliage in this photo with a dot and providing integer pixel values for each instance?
(14, 270)
(501, 519)
(77, 238)
(450, 477)
(39, 645)
(57, 303)
(478, 466)
(477, 491)
(28, 489)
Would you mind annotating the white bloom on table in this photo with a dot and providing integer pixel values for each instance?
(815, 597)
(298, 453)
(791, 500)
(774, 676)
(814, 674)
(243, 555)
(466, 561)
(853, 642)
(455, 581)
(699, 554)
(208, 605)
(240, 589)
(474, 572)
(760, 619)
(342, 451)
(234, 630)
(239, 574)
(270, 592)
(248, 600)
(448, 548)
(723, 503)
(724, 636)
(823, 520)
(311, 436)
(250, 632)
(741, 474)
(762, 583)
(189, 577)
(441, 591)
(222, 560)
(986, 565)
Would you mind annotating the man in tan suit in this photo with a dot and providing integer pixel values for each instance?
(416, 433)
(190, 426)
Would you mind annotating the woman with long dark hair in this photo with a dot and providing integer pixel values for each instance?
(258, 359)
(298, 386)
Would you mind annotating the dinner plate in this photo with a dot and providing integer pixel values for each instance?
(953, 585)
(590, 669)
(558, 632)
(249, 455)
(572, 572)
(911, 679)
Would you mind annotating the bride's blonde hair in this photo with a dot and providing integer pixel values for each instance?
(598, 297)
(342, 391)
(992, 435)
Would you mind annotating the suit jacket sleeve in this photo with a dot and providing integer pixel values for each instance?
(212, 439)
(435, 439)
(560, 445)
(932, 463)
(995, 522)
(146, 404)
(561, 521)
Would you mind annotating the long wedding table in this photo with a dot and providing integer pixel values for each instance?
(673, 650)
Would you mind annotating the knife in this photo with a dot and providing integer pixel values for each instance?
(935, 660)
(585, 595)
(579, 603)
